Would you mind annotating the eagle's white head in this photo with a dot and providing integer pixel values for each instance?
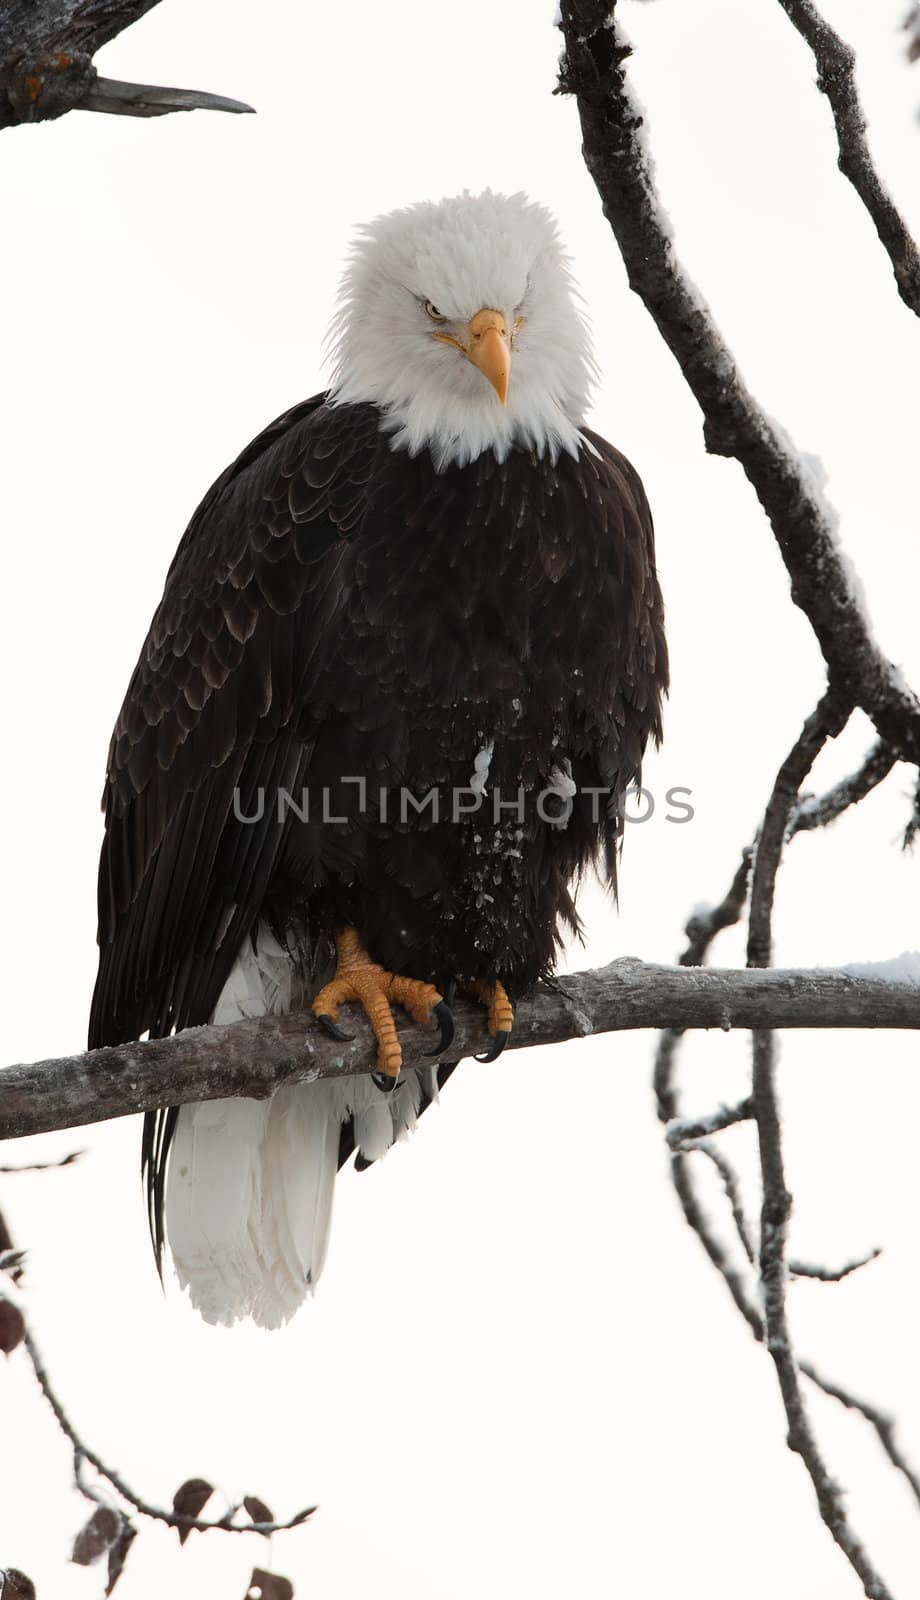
(458, 319)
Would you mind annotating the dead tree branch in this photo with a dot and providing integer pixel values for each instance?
(109, 1532)
(836, 64)
(811, 811)
(46, 64)
(804, 1269)
(253, 1058)
(803, 521)
(736, 1279)
(85, 1455)
(776, 1206)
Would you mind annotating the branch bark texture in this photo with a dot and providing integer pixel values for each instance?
(253, 1058)
(803, 522)
(836, 64)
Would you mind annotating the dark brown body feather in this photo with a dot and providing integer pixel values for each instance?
(338, 611)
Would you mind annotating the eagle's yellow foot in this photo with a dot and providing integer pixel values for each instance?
(359, 978)
(499, 1016)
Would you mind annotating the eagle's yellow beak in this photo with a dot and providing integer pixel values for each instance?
(488, 346)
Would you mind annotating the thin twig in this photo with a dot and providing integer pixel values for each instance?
(811, 811)
(836, 64)
(805, 1269)
(83, 1453)
(696, 1217)
(883, 1424)
(701, 930)
(777, 1201)
(703, 926)
(732, 1186)
(824, 723)
(45, 1166)
(684, 1130)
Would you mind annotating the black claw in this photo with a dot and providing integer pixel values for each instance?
(333, 1029)
(384, 1082)
(450, 991)
(499, 1040)
(446, 1019)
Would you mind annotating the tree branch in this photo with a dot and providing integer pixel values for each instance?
(46, 65)
(811, 811)
(803, 522)
(84, 1454)
(776, 1208)
(695, 1215)
(253, 1058)
(836, 63)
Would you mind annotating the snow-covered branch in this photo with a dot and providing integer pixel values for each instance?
(46, 64)
(253, 1058)
(836, 64)
(735, 425)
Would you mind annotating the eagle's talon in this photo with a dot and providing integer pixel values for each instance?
(360, 980)
(500, 1039)
(333, 1029)
(445, 1017)
(499, 1015)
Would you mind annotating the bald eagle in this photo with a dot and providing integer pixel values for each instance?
(408, 657)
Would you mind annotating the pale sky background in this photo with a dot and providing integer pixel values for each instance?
(520, 1376)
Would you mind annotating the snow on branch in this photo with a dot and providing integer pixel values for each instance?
(817, 811)
(766, 1312)
(46, 64)
(253, 1058)
(836, 64)
(735, 425)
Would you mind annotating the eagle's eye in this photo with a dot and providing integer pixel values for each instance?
(434, 313)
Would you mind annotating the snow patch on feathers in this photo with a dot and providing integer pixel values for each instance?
(250, 1182)
(463, 254)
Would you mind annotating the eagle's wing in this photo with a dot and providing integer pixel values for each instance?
(241, 634)
(630, 673)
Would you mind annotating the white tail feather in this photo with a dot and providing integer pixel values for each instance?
(249, 1185)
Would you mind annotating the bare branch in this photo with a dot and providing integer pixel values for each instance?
(811, 811)
(253, 1058)
(684, 1131)
(46, 66)
(881, 1422)
(804, 1269)
(732, 1187)
(803, 522)
(144, 100)
(703, 926)
(777, 1201)
(83, 1455)
(824, 723)
(44, 1166)
(836, 63)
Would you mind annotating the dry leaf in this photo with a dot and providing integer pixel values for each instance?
(95, 1536)
(14, 1585)
(269, 1586)
(257, 1509)
(12, 1261)
(190, 1500)
(118, 1554)
(12, 1326)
